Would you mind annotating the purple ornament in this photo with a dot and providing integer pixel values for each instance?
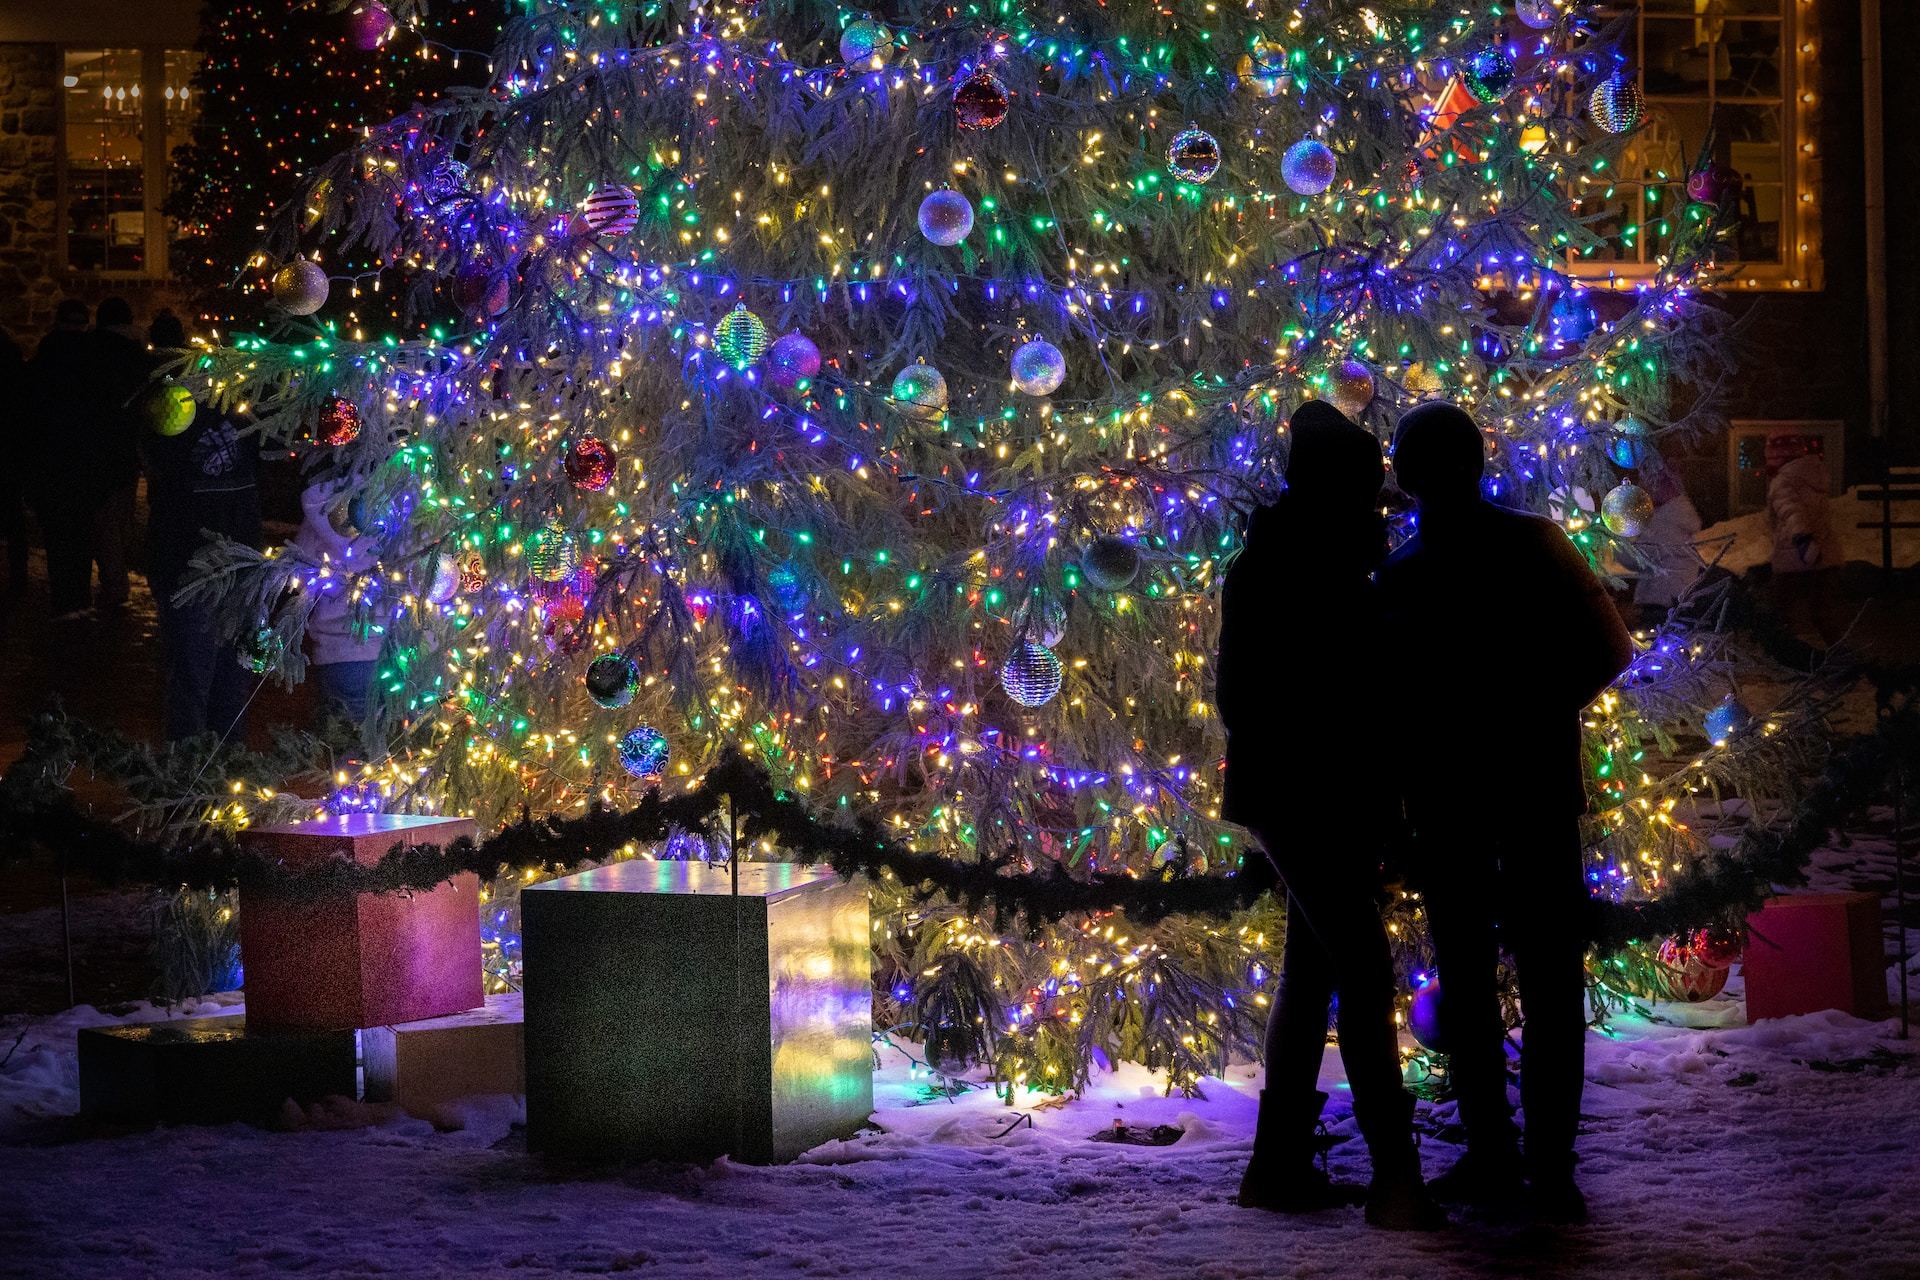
(1423, 1018)
(791, 359)
(368, 25)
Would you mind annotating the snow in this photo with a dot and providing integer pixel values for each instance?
(1748, 542)
(1709, 1149)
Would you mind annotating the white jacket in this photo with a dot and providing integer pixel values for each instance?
(331, 634)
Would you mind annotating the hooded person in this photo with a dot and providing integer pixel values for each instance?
(1297, 687)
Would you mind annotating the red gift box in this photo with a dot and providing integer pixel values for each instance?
(1812, 951)
(364, 959)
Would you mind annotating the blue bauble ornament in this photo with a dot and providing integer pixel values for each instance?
(787, 586)
(1632, 443)
(1572, 318)
(1727, 719)
(1032, 674)
(1423, 1018)
(1308, 167)
(444, 183)
(1488, 75)
(643, 752)
(611, 680)
(1038, 367)
(1110, 563)
(946, 217)
(865, 40)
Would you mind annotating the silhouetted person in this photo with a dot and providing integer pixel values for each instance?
(1299, 691)
(16, 420)
(122, 369)
(63, 480)
(1497, 617)
(200, 481)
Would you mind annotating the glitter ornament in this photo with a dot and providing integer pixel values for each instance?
(473, 572)
(791, 360)
(552, 553)
(369, 24)
(445, 183)
(1616, 104)
(1032, 674)
(1038, 367)
(980, 102)
(299, 288)
(589, 463)
(261, 652)
(1193, 156)
(1572, 317)
(643, 752)
(741, 337)
(865, 40)
(920, 392)
(1110, 563)
(170, 409)
(611, 680)
(1350, 387)
(481, 292)
(1308, 167)
(1488, 75)
(446, 580)
(1264, 69)
(1625, 510)
(1538, 14)
(946, 217)
(1631, 445)
(788, 587)
(339, 421)
(1727, 718)
(1687, 973)
(1423, 1017)
(610, 212)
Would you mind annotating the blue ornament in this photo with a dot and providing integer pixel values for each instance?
(1488, 75)
(1423, 1017)
(1726, 719)
(1572, 318)
(643, 752)
(1308, 167)
(1038, 367)
(787, 586)
(946, 217)
(445, 183)
(1632, 444)
(1032, 675)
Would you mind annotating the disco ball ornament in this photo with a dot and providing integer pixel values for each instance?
(611, 680)
(1264, 69)
(1110, 563)
(643, 752)
(481, 292)
(1632, 443)
(1686, 972)
(1625, 510)
(1538, 14)
(1032, 674)
(169, 408)
(299, 288)
(1423, 1017)
(920, 392)
(791, 360)
(980, 102)
(1725, 720)
(1041, 619)
(865, 40)
(1308, 167)
(473, 572)
(262, 651)
(552, 552)
(1350, 387)
(589, 463)
(368, 24)
(610, 212)
(1572, 317)
(1193, 156)
(741, 337)
(1038, 367)
(339, 421)
(788, 587)
(444, 183)
(1488, 75)
(946, 217)
(1616, 104)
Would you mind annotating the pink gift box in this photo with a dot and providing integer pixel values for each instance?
(364, 959)
(1812, 951)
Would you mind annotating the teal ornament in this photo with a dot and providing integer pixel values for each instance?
(865, 40)
(1488, 75)
(787, 586)
(1032, 674)
(946, 217)
(611, 680)
(1625, 510)
(920, 392)
(740, 337)
(1038, 367)
(1308, 167)
(1726, 719)
(643, 752)
(1632, 444)
(1110, 563)
(1193, 156)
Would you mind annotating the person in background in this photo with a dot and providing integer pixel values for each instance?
(123, 367)
(1497, 850)
(342, 654)
(14, 425)
(62, 478)
(1667, 542)
(200, 481)
(1806, 554)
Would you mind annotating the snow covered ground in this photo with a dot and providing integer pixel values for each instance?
(1710, 1149)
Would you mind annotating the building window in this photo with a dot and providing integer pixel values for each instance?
(123, 113)
(1740, 73)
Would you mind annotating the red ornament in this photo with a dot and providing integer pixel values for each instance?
(369, 24)
(473, 572)
(1685, 973)
(610, 212)
(339, 421)
(590, 462)
(565, 628)
(980, 102)
(478, 291)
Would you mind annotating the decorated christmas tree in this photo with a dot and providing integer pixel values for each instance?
(882, 395)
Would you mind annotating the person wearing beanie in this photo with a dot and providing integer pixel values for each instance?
(1480, 588)
(1297, 688)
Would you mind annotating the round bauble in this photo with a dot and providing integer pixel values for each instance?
(1308, 167)
(1423, 1017)
(1263, 69)
(1350, 387)
(1725, 720)
(1719, 947)
(741, 337)
(261, 652)
(1193, 156)
(1488, 75)
(339, 421)
(446, 580)
(610, 212)
(980, 102)
(787, 586)
(1686, 973)
(445, 183)
(169, 408)
(1032, 674)
(611, 680)
(1625, 510)
(368, 24)
(1110, 563)
(920, 392)
(946, 217)
(867, 41)
(791, 360)
(1716, 185)
(589, 463)
(1041, 619)
(1038, 367)
(473, 572)
(1616, 104)
(1538, 14)
(481, 292)
(1572, 317)
(1632, 443)
(299, 288)
(643, 752)
(552, 552)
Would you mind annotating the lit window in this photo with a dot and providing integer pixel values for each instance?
(125, 110)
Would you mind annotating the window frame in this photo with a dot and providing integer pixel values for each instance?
(154, 160)
(1802, 266)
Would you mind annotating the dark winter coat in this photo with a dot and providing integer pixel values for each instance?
(80, 446)
(202, 480)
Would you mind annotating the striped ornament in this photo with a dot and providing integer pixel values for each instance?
(610, 212)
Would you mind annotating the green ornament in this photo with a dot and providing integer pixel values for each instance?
(552, 553)
(740, 337)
